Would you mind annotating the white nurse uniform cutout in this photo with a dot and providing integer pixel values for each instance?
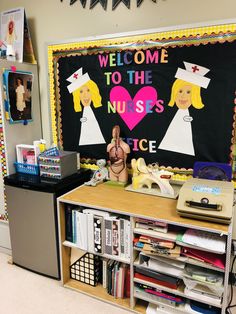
(178, 137)
(90, 130)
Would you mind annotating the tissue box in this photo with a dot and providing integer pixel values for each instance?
(59, 166)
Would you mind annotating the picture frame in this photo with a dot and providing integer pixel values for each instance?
(18, 87)
(158, 57)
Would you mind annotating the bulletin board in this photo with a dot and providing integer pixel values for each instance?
(172, 93)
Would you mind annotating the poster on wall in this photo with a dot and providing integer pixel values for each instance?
(18, 91)
(172, 98)
(12, 32)
(15, 36)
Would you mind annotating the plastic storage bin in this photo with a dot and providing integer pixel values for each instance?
(26, 168)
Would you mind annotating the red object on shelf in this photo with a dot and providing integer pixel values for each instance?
(127, 282)
(153, 280)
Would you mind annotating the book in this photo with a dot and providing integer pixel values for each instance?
(127, 282)
(109, 276)
(115, 278)
(121, 281)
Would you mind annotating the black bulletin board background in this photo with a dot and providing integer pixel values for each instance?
(212, 126)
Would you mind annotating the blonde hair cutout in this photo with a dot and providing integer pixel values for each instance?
(196, 99)
(96, 97)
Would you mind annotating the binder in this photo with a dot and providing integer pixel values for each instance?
(68, 223)
(90, 229)
(122, 237)
(116, 237)
(81, 231)
(127, 238)
(74, 228)
(98, 222)
(108, 235)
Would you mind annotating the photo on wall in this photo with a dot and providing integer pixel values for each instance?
(18, 102)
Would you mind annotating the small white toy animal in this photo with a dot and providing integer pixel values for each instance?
(99, 175)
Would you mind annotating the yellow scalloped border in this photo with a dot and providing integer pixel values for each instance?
(185, 36)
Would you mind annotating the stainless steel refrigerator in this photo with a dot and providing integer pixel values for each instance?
(31, 203)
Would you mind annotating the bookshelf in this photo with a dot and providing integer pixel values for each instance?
(116, 200)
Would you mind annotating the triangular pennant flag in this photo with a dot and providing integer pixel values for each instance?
(116, 2)
(102, 2)
(139, 2)
(83, 2)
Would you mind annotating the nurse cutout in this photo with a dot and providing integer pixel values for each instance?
(85, 94)
(186, 91)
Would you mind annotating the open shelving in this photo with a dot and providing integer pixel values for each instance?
(116, 200)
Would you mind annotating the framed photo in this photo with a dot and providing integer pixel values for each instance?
(171, 92)
(18, 101)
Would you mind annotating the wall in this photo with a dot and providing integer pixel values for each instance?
(53, 20)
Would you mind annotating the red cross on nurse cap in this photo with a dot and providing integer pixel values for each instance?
(75, 75)
(77, 79)
(194, 74)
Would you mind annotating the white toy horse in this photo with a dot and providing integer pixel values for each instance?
(144, 175)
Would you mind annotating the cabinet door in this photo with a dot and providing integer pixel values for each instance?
(32, 221)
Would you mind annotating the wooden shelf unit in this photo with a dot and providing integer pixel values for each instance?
(118, 201)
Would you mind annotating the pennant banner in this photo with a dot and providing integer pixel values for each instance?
(103, 3)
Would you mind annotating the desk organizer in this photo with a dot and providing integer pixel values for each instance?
(87, 269)
(57, 166)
